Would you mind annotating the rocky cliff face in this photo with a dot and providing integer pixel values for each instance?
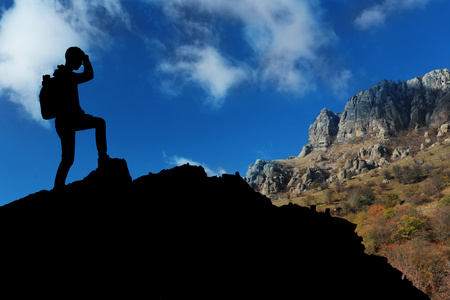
(179, 234)
(324, 129)
(386, 109)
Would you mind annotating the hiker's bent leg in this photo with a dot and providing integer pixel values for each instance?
(67, 155)
(99, 124)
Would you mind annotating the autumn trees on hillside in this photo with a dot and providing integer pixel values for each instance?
(406, 220)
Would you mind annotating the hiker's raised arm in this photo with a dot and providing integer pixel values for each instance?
(88, 72)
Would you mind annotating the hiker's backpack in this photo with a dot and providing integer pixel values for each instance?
(48, 97)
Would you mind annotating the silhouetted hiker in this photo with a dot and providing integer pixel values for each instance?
(70, 117)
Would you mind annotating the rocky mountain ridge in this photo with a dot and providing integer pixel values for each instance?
(384, 110)
(179, 234)
(374, 119)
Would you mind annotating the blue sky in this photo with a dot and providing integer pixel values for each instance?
(217, 83)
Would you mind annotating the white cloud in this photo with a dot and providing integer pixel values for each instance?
(340, 81)
(34, 35)
(286, 37)
(376, 15)
(208, 68)
(176, 160)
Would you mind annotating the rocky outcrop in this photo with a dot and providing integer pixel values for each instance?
(267, 177)
(179, 234)
(323, 130)
(401, 152)
(270, 178)
(305, 150)
(384, 110)
(356, 166)
(312, 175)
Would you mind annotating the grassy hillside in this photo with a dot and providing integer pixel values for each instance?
(402, 209)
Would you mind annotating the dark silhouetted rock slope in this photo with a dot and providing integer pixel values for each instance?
(179, 234)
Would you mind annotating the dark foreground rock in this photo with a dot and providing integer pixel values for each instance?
(181, 235)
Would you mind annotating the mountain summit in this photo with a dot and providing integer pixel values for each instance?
(385, 110)
(179, 234)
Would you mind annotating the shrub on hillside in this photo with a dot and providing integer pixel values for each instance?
(390, 200)
(408, 174)
(346, 207)
(329, 196)
(409, 225)
(339, 187)
(412, 174)
(397, 172)
(387, 174)
(417, 199)
(434, 185)
(361, 197)
(440, 221)
(389, 213)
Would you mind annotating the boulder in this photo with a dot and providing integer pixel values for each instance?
(377, 151)
(443, 130)
(400, 153)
